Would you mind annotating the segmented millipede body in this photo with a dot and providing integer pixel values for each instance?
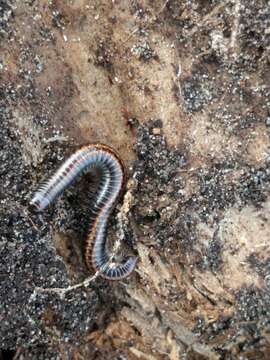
(107, 163)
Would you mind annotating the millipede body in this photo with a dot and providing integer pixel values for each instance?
(106, 162)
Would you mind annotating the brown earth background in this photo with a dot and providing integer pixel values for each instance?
(181, 89)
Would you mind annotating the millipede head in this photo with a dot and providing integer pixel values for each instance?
(39, 202)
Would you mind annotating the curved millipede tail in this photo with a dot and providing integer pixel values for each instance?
(112, 181)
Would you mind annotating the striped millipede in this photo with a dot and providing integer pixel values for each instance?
(104, 159)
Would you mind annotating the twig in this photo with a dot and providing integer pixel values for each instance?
(63, 291)
(235, 29)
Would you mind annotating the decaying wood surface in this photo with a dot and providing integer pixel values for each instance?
(181, 90)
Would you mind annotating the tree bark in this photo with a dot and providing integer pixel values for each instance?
(181, 90)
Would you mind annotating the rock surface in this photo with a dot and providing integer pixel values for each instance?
(181, 90)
